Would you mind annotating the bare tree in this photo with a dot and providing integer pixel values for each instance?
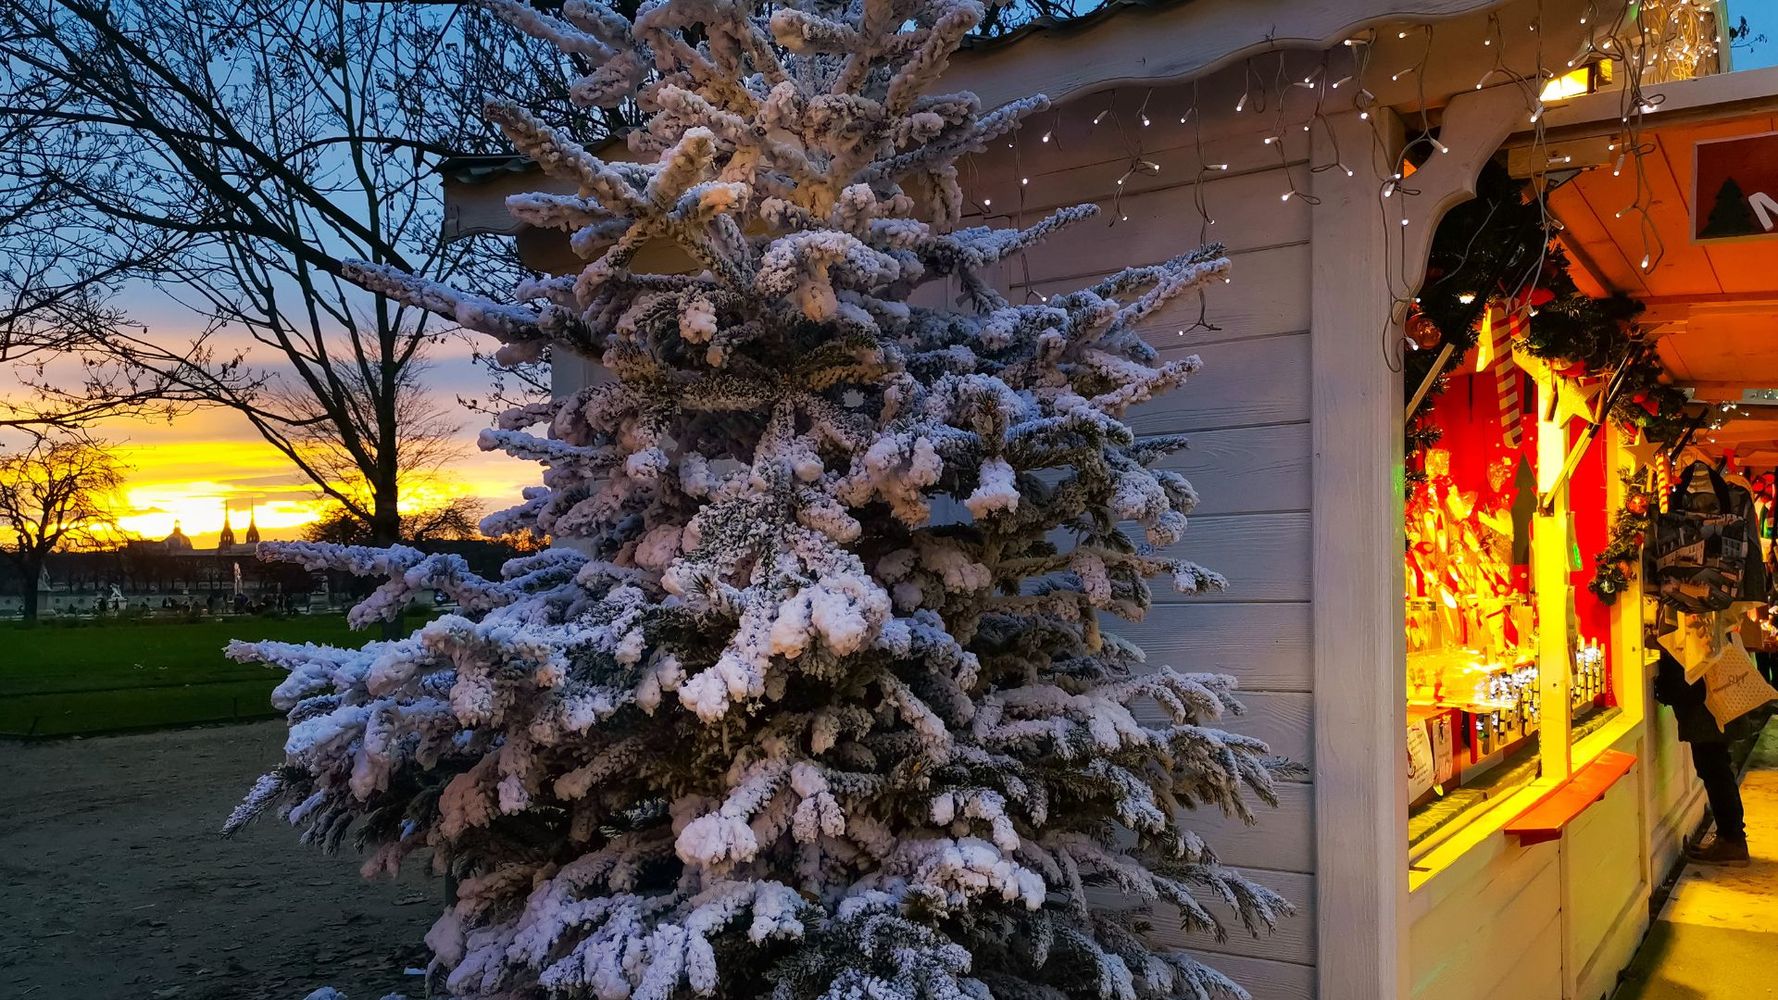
(236, 153)
(55, 492)
(453, 520)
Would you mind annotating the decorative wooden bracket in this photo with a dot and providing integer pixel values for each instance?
(1476, 122)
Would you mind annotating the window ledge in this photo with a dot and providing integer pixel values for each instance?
(1546, 820)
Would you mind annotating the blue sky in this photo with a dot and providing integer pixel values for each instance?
(1762, 17)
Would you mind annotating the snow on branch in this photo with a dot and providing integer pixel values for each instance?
(818, 692)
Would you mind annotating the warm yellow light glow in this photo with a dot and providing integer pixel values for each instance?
(188, 482)
(1571, 84)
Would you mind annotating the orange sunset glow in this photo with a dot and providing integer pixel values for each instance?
(185, 471)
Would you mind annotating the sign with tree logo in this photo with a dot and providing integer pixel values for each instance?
(1735, 192)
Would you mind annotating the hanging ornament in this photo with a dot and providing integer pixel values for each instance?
(1636, 503)
(1644, 451)
(1424, 332)
(1438, 463)
(1499, 471)
(1574, 398)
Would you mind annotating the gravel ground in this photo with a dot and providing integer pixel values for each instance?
(115, 884)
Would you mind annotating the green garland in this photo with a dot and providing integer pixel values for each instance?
(1615, 564)
(1497, 245)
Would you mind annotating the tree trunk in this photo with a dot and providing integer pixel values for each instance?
(30, 571)
(385, 530)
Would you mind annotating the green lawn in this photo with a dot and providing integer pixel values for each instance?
(61, 681)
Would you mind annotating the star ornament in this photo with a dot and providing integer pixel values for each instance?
(1644, 453)
(1559, 398)
(1574, 398)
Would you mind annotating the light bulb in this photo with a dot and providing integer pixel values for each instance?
(1046, 137)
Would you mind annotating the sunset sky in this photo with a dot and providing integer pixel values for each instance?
(187, 469)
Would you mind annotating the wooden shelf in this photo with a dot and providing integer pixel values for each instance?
(1546, 820)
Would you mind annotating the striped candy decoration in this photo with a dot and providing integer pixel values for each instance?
(1497, 352)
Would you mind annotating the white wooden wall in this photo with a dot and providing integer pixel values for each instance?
(1247, 415)
(1554, 921)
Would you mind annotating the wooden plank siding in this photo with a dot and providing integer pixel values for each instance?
(1506, 923)
(1247, 417)
(1605, 898)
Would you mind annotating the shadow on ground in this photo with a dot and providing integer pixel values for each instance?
(117, 884)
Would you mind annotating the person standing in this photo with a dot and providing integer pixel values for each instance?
(1710, 758)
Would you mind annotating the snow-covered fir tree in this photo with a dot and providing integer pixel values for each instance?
(811, 699)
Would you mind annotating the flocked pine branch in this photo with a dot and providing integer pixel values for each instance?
(811, 698)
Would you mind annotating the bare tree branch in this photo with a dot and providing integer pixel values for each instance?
(54, 493)
(234, 154)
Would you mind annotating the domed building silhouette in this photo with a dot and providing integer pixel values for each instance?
(178, 541)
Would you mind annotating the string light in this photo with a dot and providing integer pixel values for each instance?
(1649, 56)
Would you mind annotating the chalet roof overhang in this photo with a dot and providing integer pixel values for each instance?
(1712, 303)
(1130, 43)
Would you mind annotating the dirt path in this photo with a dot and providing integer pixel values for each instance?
(115, 884)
